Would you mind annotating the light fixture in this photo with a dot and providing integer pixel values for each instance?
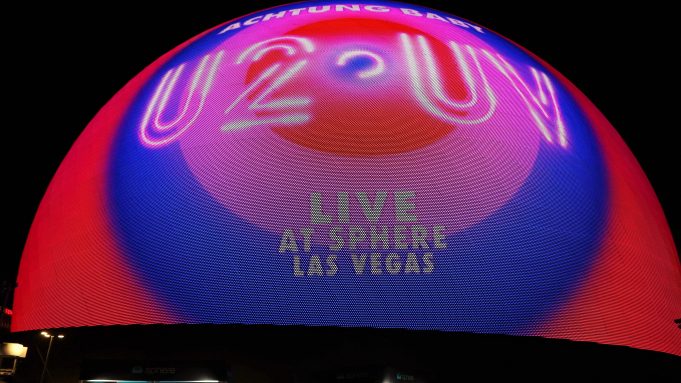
(49, 348)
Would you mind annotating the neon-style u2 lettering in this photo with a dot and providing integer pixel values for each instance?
(154, 131)
(542, 103)
(426, 83)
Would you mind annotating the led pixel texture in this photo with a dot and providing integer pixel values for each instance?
(363, 165)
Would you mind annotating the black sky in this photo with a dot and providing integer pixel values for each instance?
(63, 67)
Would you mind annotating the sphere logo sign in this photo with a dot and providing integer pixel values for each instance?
(358, 165)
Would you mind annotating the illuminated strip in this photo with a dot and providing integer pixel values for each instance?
(514, 78)
(279, 82)
(562, 134)
(488, 89)
(267, 73)
(290, 51)
(434, 77)
(166, 95)
(537, 119)
(163, 92)
(280, 103)
(542, 94)
(291, 119)
(378, 68)
(305, 43)
(258, 51)
(515, 74)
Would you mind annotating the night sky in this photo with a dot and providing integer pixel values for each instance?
(623, 59)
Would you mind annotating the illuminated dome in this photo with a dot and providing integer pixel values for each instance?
(381, 165)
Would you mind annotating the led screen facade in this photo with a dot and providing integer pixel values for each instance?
(363, 165)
